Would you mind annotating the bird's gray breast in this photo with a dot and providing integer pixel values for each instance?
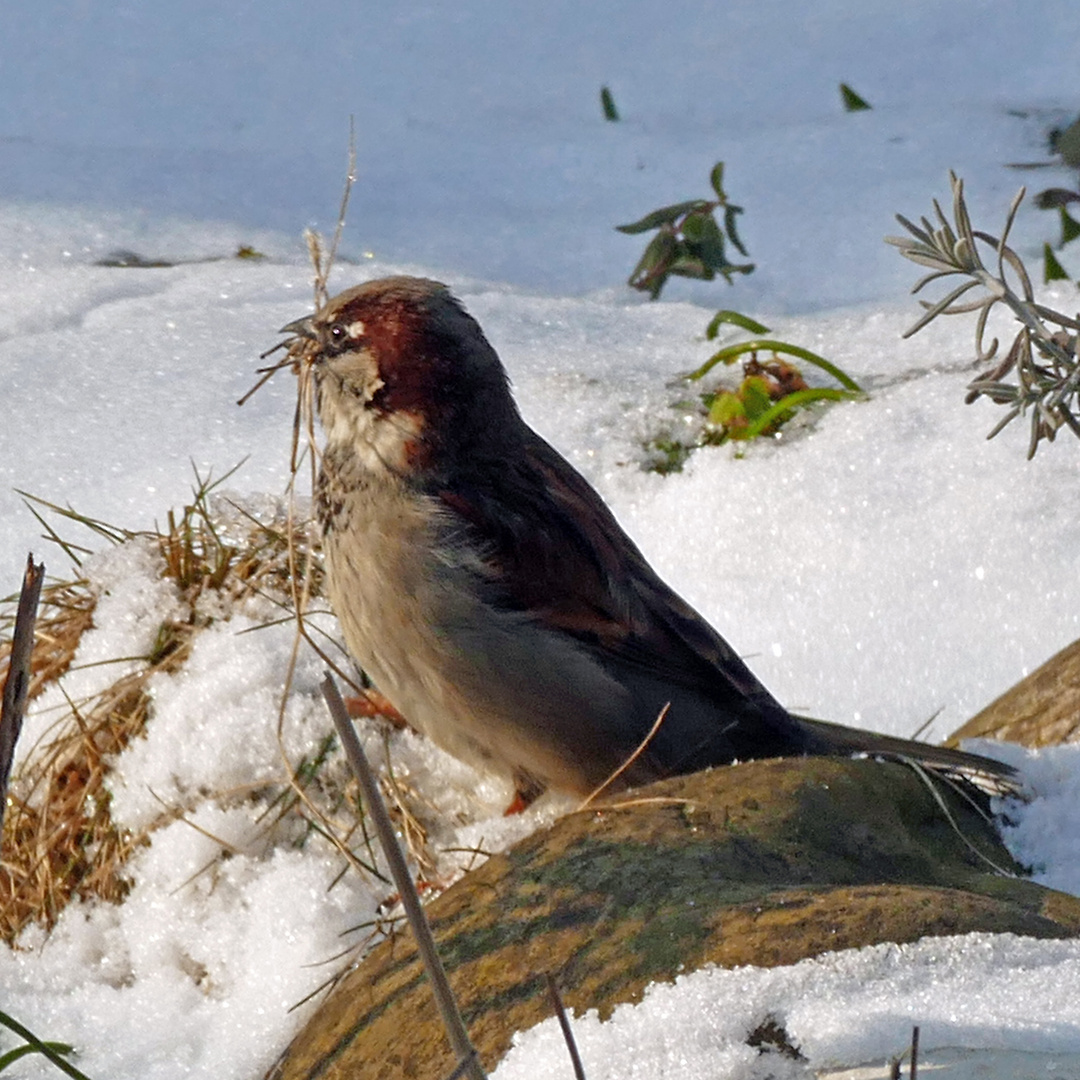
(489, 684)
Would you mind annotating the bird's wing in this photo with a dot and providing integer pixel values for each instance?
(556, 551)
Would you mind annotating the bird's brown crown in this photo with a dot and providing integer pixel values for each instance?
(403, 347)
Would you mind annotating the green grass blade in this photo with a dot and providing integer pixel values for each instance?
(795, 401)
(733, 318)
(43, 1048)
(853, 102)
(607, 105)
(732, 352)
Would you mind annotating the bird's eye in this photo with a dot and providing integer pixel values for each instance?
(342, 335)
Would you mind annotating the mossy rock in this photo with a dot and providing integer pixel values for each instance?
(1042, 709)
(765, 863)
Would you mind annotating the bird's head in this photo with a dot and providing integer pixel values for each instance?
(404, 376)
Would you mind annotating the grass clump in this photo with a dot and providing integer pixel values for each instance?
(59, 840)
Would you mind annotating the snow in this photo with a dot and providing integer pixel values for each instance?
(881, 566)
(982, 989)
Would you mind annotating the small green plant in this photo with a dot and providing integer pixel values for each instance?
(770, 393)
(770, 390)
(852, 101)
(689, 242)
(607, 104)
(1042, 359)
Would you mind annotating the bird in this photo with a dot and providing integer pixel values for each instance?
(490, 593)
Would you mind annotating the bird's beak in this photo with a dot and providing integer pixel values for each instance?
(304, 327)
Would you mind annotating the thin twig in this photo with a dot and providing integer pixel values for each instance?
(17, 683)
(914, 1053)
(564, 1024)
(630, 760)
(350, 179)
(410, 898)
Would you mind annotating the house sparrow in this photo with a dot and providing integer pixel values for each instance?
(489, 592)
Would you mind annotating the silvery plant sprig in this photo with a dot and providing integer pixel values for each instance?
(1043, 358)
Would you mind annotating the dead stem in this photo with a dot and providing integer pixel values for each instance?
(629, 761)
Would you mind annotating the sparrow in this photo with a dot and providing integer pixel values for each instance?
(489, 592)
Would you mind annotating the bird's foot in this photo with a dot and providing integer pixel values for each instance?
(527, 789)
(372, 703)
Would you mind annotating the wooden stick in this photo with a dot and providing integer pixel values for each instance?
(17, 683)
(468, 1061)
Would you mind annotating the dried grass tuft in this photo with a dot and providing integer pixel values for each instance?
(59, 841)
(66, 609)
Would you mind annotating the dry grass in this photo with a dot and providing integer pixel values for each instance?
(59, 841)
(65, 611)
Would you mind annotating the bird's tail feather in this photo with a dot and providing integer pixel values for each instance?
(990, 776)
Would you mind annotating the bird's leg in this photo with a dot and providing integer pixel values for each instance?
(527, 789)
(372, 703)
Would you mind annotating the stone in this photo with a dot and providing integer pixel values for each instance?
(762, 863)
(1042, 709)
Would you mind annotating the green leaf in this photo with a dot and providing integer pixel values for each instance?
(798, 399)
(730, 354)
(694, 225)
(736, 268)
(852, 101)
(607, 103)
(1070, 227)
(689, 265)
(735, 319)
(666, 215)
(708, 243)
(716, 178)
(730, 213)
(651, 273)
(725, 408)
(754, 392)
(1052, 269)
(660, 250)
(1067, 144)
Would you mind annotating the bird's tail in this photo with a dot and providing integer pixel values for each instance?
(986, 774)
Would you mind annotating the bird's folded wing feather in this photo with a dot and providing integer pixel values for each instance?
(556, 551)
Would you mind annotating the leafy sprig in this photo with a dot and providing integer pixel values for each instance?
(689, 241)
(1043, 356)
